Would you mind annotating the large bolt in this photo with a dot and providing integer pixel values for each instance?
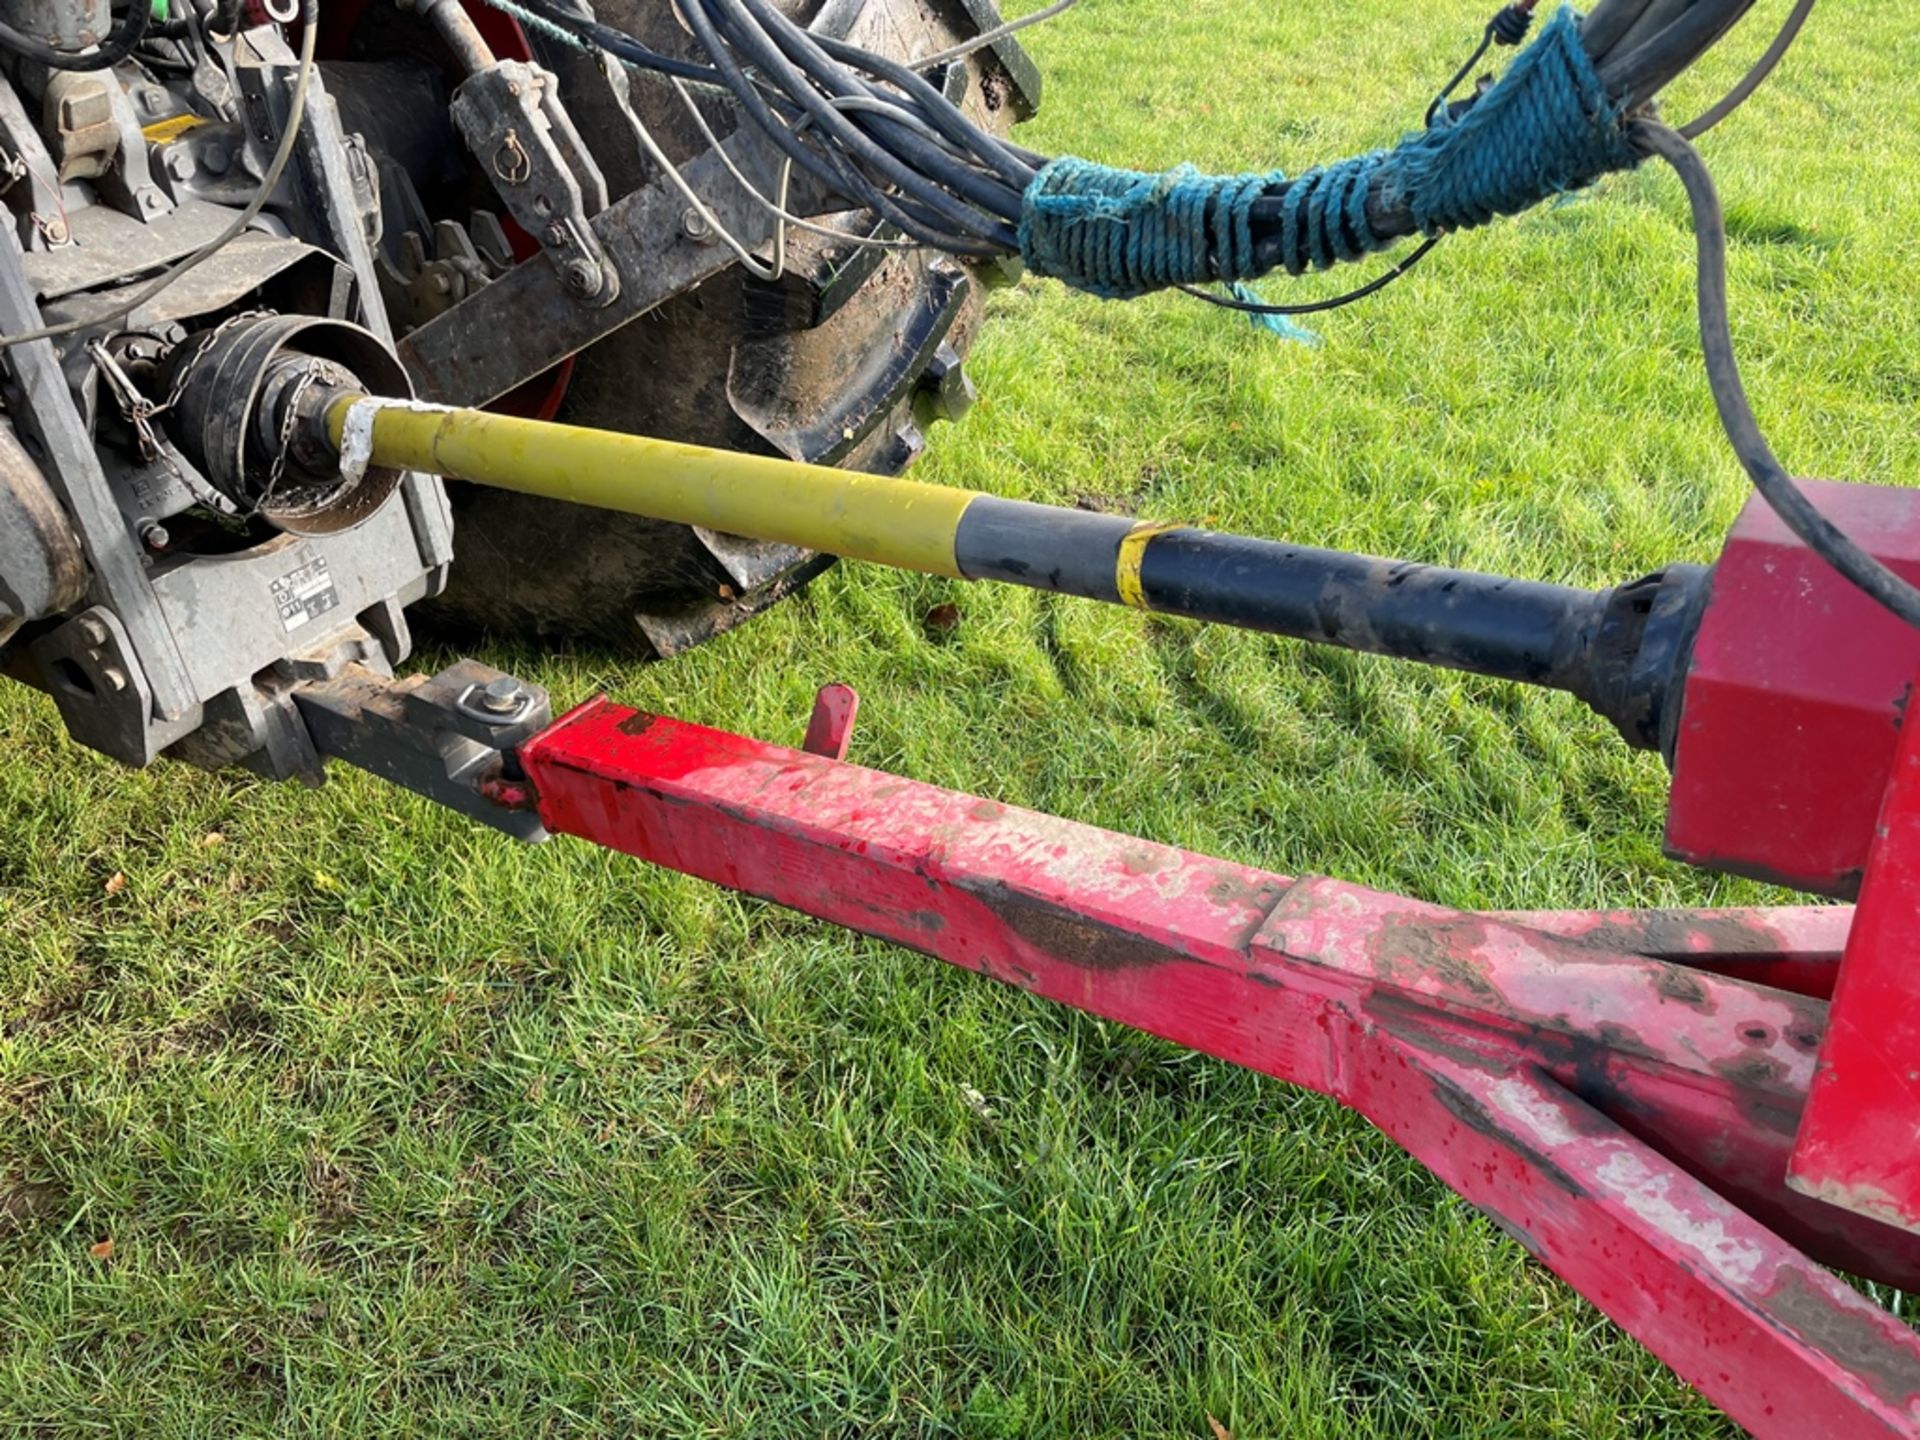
(504, 697)
(694, 225)
(94, 630)
(180, 163)
(155, 537)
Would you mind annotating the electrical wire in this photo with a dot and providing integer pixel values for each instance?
(838, 176)
(594, 35)
(118, 45)
(780, 49)
(993, 36)
(1751, 81)
(1769, 477)
(750, 262)
(1315, 307)
(786, 217)
(1508, 26)
(269, 182)
(1433, 106)
(1014, 164)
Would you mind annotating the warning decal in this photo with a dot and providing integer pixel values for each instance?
(305, 594)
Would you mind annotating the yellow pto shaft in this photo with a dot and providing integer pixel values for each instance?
(869, 517)
(1539, 634)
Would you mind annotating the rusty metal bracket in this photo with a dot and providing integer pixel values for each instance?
(512, 120)
(446, 736)
(457, 358)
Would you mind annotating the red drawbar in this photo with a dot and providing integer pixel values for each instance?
(1794, 698)
(1627, 1119)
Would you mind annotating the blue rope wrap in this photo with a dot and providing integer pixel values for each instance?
(1120, 233)
(1545, 128)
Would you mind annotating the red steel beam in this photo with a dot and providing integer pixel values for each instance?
(1771, 1338)
(1790, 947)
(1859, 1143)
(1628, 1119)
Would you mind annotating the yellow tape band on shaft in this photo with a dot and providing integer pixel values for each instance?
(1133, 550)
(903, 523)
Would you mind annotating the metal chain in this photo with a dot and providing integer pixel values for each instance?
(210, 337)
(313, 372)
(141, 410)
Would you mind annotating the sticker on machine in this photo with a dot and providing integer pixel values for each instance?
(305, 594)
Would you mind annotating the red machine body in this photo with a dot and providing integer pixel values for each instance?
(1793, 700)
(1685, 1114)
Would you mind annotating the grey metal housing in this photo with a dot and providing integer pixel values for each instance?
(160, 648)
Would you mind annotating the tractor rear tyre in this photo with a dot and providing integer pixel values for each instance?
(844, 361)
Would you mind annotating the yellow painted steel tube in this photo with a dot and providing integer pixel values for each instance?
(891, 521)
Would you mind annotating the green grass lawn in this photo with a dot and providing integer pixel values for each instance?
(398, 1129)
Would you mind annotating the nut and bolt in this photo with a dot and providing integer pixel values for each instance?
(216, 159)
(155, 537)
(581, 276)
(94, 630)
(180, 163)
(694, 225)
(114, 678)
(504, 697)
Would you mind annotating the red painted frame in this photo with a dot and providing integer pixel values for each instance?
(1796, 686)
(1629, 1117)
(1859, 1140)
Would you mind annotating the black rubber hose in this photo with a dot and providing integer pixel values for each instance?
(126, 36)
(916, 151)
(974, 231)
(619, 44)
(1653, 21)
(1606, 23)
(1634, 76)
(1769, 477)
(839, 176)
(1751, 81)
(1014, 164)
(739, 22)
